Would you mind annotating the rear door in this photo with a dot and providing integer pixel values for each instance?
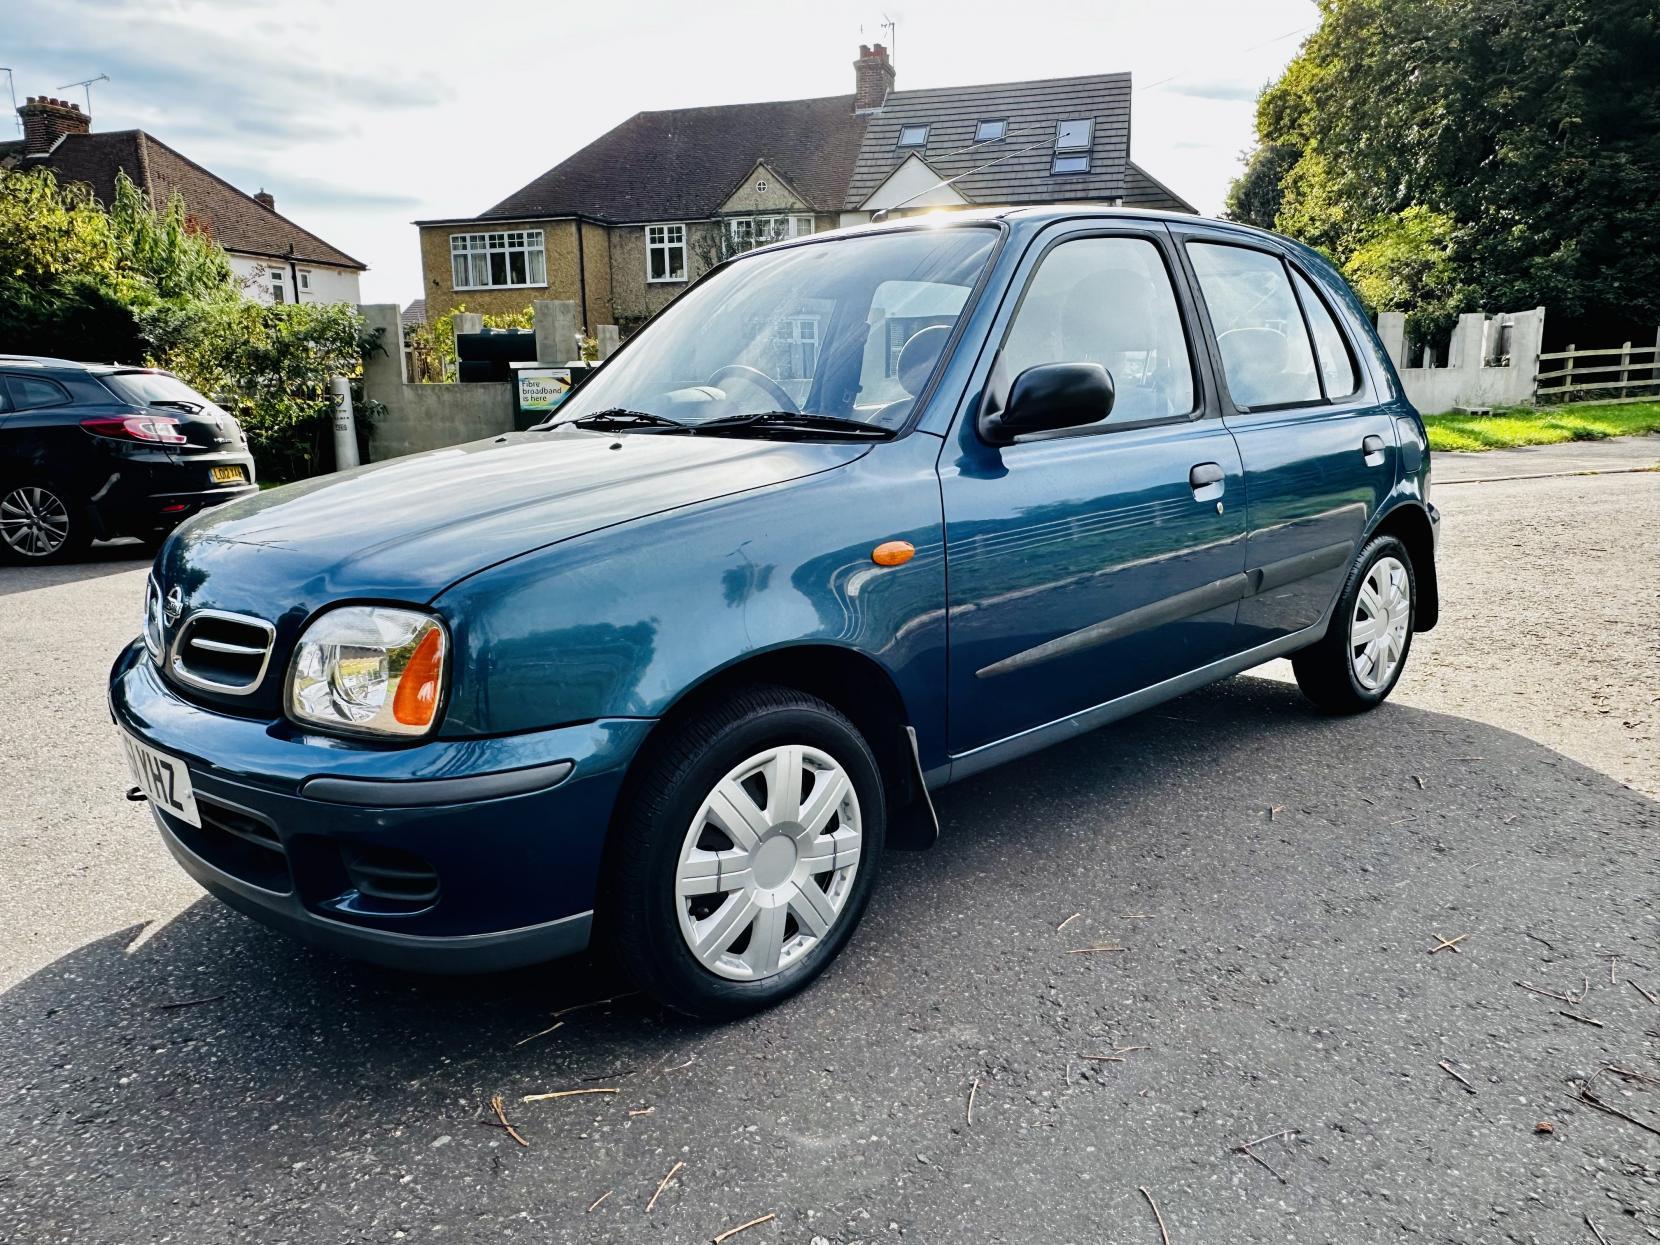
(1088, 563)
(1319, 452)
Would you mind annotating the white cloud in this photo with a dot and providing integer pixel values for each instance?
(361, 118)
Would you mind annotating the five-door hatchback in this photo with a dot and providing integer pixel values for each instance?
(94, 451)
(856, 516)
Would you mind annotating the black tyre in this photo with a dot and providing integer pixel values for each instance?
(41, 523)
(745, 853)
(1364, 650)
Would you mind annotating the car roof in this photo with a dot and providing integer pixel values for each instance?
(65, 365)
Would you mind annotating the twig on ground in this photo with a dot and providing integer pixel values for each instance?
(1447, 944)
(742, 1227)
(1163, 1234)
(972, 1090)
(1613, 981)
(1549, 994)
(662, 1186)
(677, 1067)
(1456, 1075)
(1134, 916)
(598, 1200)
(1102, 1058)
(642, 1111)
(1091, 950)
(1590, 1099)
(207, 998)
(1125, 1050)
(1419, 781)
(1284, 1132)
(501, 1114)
(1584, 1020)
(558, 1024)
(1275, 808)
(1257, 1158)
(582, 1007)
(1654, 999)
(1068, 921)
(1594, 1230)
(566, 1093)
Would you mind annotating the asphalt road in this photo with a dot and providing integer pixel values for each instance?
(172, 1072)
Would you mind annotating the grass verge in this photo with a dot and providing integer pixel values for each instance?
(1545, 425)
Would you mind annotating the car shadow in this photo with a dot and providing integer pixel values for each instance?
(1134, 951)
(103, 558)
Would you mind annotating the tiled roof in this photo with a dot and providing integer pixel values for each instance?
(1143, 190)
(237, 221)
(683, 163)
(1016, 169)
(415, 313)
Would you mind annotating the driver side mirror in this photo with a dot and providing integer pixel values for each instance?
(1048, 397)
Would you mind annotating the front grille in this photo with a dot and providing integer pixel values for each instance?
(222, 652)
(238, 844)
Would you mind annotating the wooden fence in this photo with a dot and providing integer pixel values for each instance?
(1638, 368)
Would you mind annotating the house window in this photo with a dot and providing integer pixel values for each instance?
(748, 232)
(991, 131)
(514, 257)
(912, 136)
(665, 252)
(1072, 143)
(305, 280)
(277, 287)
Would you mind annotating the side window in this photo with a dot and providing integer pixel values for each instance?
(1337, 369)
(1108, 301)
(1265, 349)
(5, 400)
(31, 391)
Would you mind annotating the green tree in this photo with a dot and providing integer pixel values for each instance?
(1528, 130)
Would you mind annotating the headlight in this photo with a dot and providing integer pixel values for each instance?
(152, 619)
(369, 670)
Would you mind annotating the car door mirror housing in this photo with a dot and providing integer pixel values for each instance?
(1050, 396)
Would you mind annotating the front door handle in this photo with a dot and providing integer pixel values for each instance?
(1372, 449)
(1206, 480)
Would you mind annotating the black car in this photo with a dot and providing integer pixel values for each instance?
(95, 451)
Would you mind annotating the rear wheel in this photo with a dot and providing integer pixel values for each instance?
(746, 853)
(1360, 659)
(41, 522)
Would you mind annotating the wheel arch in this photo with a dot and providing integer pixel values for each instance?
(1409, 523)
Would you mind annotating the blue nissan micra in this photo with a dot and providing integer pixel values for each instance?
(858, 515)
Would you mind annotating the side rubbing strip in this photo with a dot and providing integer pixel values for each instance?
(1171, 609)
(1290, 570)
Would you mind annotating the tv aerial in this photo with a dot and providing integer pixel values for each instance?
(86, 85)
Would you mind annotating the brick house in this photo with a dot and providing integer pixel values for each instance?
(275, 259)
(622, 226)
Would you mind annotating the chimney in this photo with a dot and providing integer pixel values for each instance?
(267, 198)
(45, 121)
(873, 78)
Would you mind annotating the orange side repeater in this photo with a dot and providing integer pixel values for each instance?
(893, 553)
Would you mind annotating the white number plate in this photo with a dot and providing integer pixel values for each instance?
(164, 779)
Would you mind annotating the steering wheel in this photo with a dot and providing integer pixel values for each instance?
(760, 380)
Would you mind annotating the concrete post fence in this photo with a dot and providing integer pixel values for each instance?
(1491, 361)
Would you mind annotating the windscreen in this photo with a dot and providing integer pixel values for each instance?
(156, 389)
(849, 328)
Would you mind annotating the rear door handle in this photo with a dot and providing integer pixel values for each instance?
(1372, 448)
(1206, 480)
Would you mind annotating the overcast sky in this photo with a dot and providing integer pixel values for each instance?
(364, 116)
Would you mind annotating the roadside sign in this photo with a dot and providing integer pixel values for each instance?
(542, 389)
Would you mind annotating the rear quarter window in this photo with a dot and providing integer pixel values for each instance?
(31, 392)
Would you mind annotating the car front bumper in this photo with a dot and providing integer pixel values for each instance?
(463, 855)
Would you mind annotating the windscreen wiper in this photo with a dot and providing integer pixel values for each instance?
(797, 421)
(618, 418)
(178, 404)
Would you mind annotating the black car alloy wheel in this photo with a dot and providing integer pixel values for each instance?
(35, 523)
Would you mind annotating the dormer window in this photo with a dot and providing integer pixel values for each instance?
(991, 131)
(912, 136)
(1072, 144)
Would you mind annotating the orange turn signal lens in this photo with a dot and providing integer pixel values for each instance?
(416, 700)
(893, 553)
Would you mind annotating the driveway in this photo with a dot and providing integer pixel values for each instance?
(1277, 881)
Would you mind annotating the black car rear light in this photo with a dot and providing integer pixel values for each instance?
(153, 429)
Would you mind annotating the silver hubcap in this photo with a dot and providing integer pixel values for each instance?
(1377, 633)
(33, 521)
(768, 863)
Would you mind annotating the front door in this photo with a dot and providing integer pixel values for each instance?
(1319, 451)
(1086, 564)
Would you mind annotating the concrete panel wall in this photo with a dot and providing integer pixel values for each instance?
(1467, 380)
(425, 417)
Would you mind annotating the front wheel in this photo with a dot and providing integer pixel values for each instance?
(745, 853)
(1364, 650)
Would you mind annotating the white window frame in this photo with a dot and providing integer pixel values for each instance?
(745, 233)
(667, 238)
(531, 243)
(278, 289)
(1002, 124)
(305, 280)
(1089, 134)
(905, 129)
